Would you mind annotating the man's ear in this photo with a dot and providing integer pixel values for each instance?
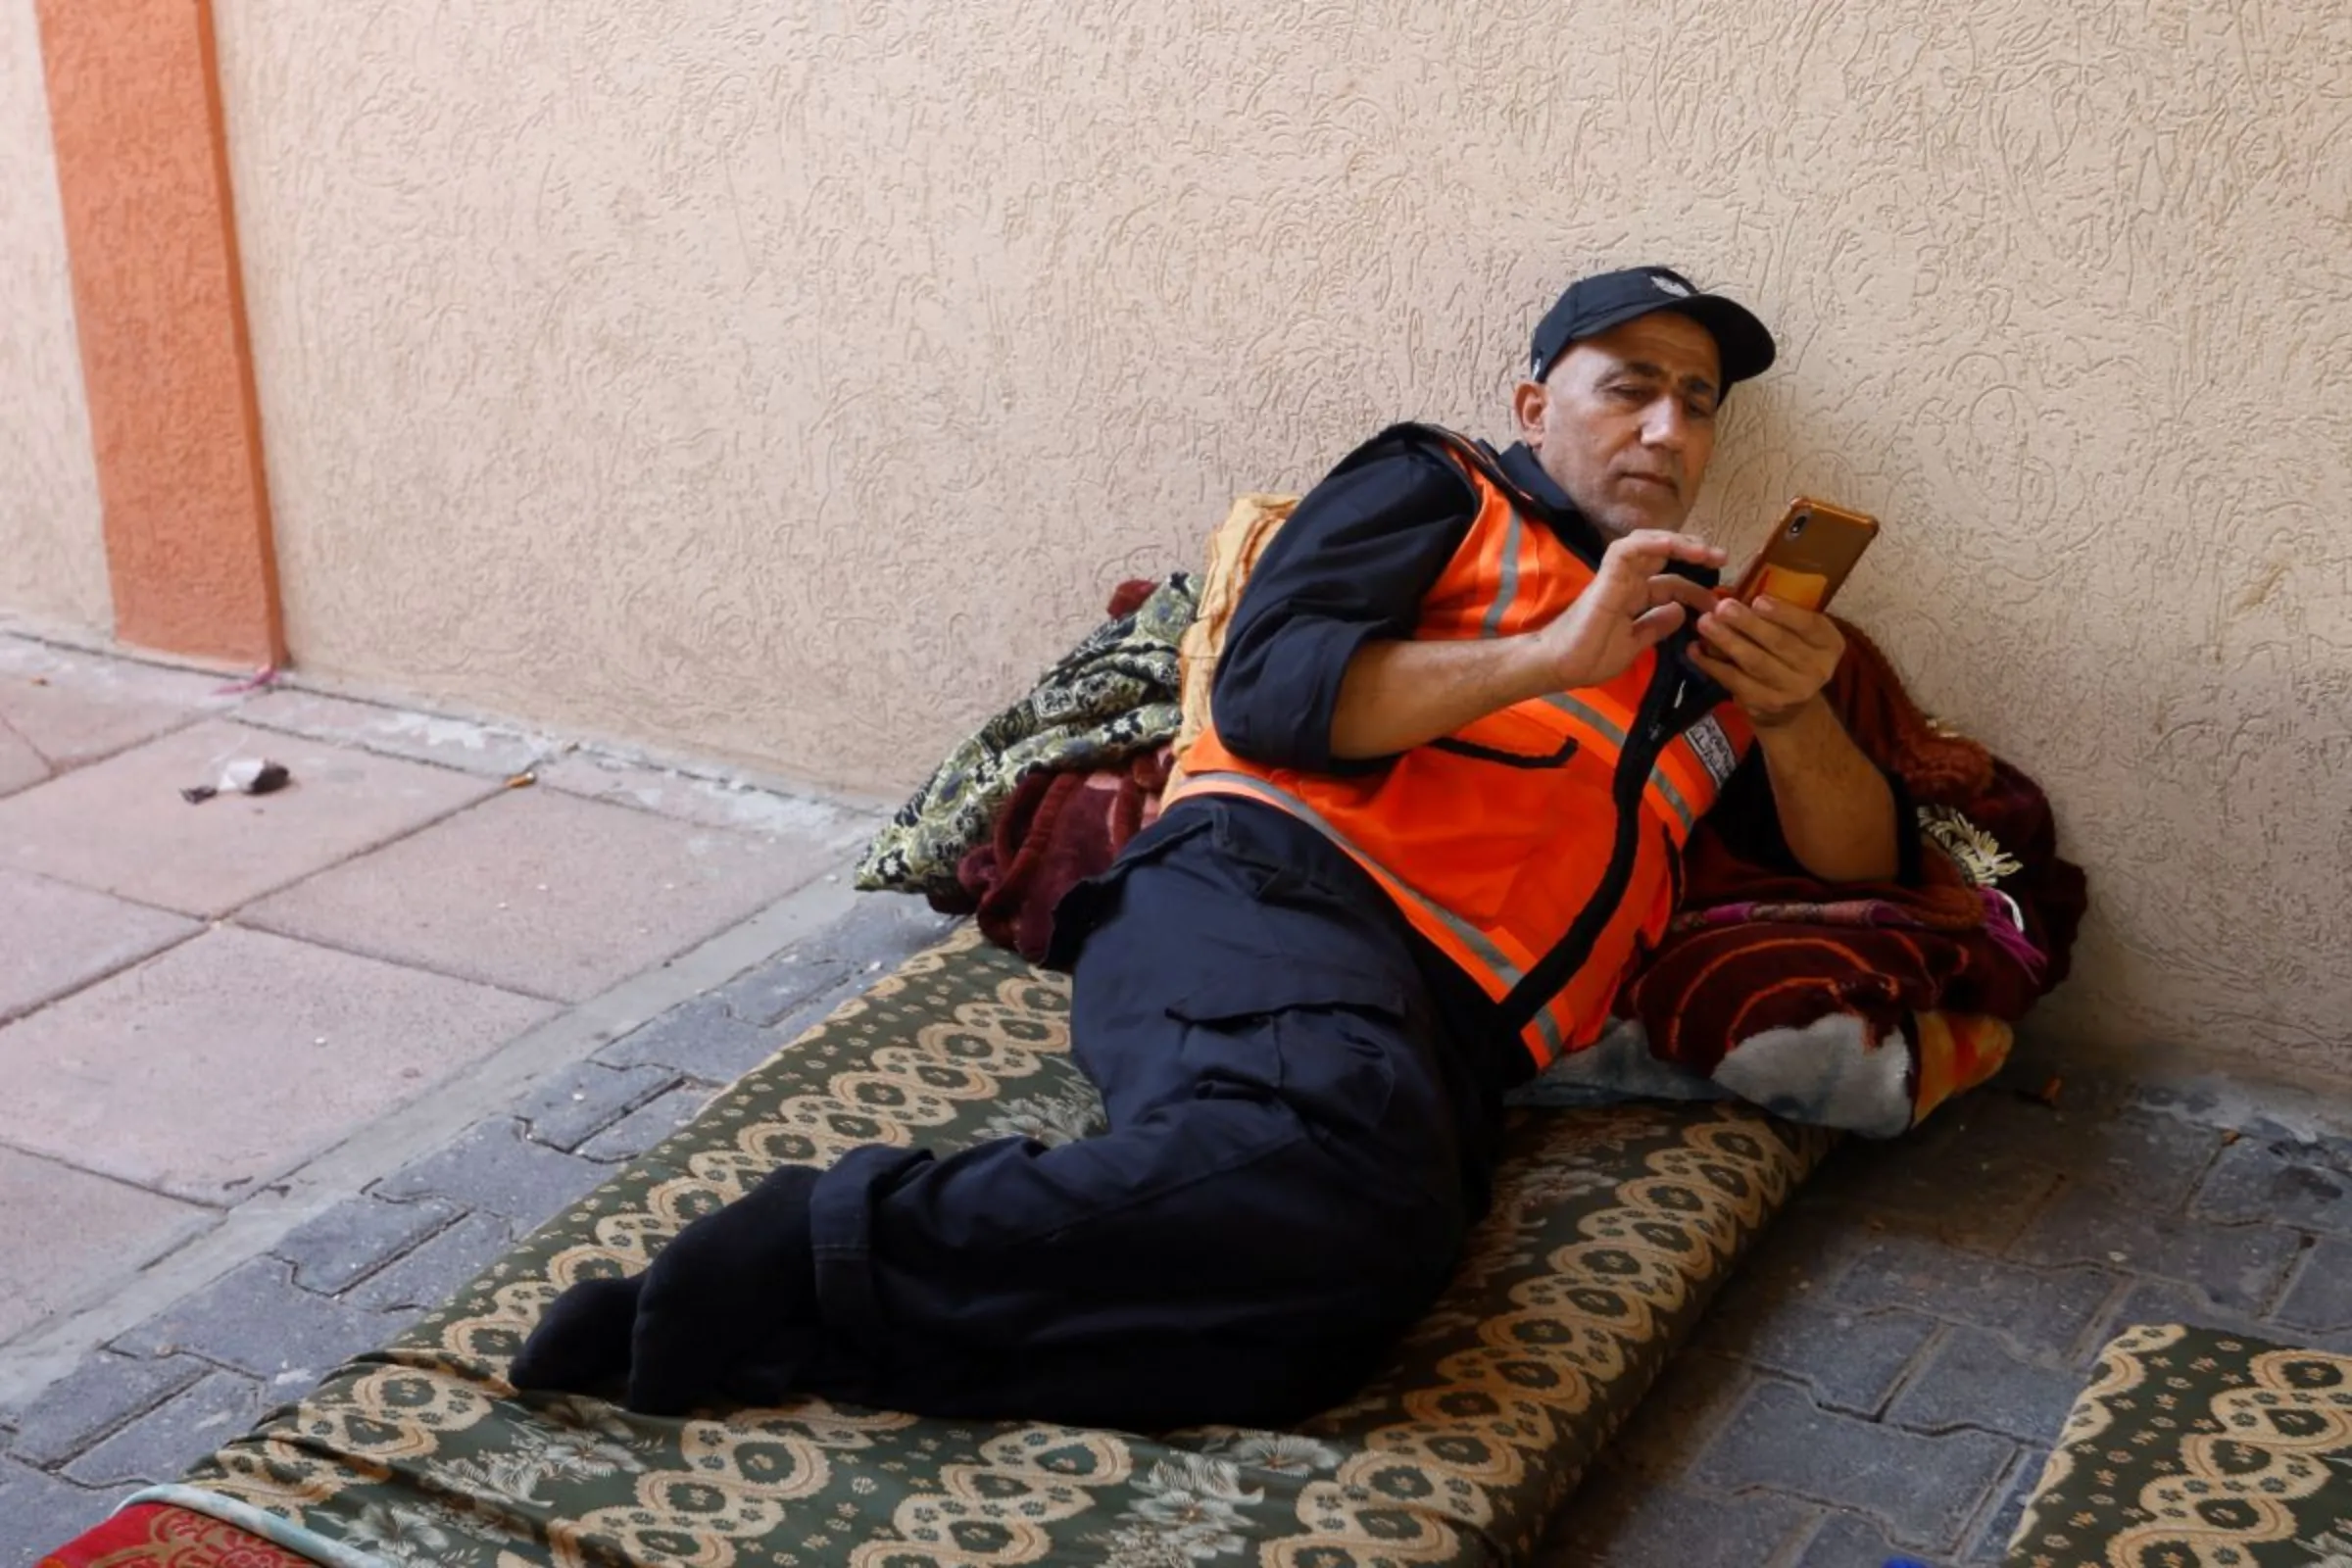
(1528, 403)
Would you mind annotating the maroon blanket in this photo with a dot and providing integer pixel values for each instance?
(1057, 830)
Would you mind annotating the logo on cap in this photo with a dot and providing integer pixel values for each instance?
(1667, 285)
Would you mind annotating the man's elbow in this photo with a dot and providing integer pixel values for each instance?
(1270, 739)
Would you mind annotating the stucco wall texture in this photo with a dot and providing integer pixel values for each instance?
(52, 552)
(794, 381)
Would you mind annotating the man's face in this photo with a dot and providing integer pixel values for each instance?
(1625, 421)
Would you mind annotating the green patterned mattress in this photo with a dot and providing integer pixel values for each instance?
(1611, 1230)
(2195, 1449)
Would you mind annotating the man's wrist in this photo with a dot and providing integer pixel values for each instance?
(1529, 668)
(1793, 727)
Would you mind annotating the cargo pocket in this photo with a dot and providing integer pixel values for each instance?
(1321, 1040)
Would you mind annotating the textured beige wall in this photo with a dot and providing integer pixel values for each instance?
(795, 381)
(52, 552)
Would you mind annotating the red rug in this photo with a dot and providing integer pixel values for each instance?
(155, 1534)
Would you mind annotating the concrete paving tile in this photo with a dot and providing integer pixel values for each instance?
(2093, 1134)
(1691, 1400)
(160, 1444)
(1972, 1380)
(257, 1319)
(120, 826)
(102, 1394)
(235, 1055)
(1952, 1191)
(1848, 1540)
(1992, 1545)
(881, 931)
(1851, 1360)
(492, 1166)
(21, 766)
(2152, 1160)
(701, 1039)
(1807, 1249)
(2322, 1295)
(434, 1271)
(485, 749)
(647, 1125)
(1615, 1521)
(544, 892)
(2281, 1181)
(77, 707)
(712, 803)
(55, 937)
(40, 1511)
(1925, 1490)
(568, 1109)
(2236, 1265)
(2038, 1309)
(357, 1237)
(64, 1233)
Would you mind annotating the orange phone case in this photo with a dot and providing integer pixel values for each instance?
(1812, 549)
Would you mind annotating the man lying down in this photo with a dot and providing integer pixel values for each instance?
(1470, 708)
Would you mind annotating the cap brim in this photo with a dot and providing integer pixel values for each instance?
(1741, 342)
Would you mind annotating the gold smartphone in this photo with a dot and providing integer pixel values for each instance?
(1806, 561)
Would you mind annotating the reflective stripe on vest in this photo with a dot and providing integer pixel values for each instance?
(1502, 844)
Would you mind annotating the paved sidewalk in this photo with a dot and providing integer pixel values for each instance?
(1885, 1376)
(284, 1070)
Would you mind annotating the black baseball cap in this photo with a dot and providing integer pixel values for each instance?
(1594, 305)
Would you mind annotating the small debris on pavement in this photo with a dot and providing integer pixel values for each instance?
(522, 781)
(247, 775)
(2047, 1095)
(2230, 1137)
(261, 679)
(253, 775)
(40, 680)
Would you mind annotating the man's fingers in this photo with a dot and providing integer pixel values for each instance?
(1745, 688)
(1809, 627)
(1731, 645)
(1667, 588)
(1760, 630)
(1647, 549)
(1655, 624)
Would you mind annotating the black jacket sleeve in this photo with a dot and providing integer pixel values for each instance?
(1352, 563)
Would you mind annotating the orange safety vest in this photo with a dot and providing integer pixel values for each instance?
(1538, 848)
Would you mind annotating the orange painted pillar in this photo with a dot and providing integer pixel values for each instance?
(142, 171)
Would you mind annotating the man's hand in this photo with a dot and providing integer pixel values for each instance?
(1401, 693)
(1836, 810)
(1633, 603)
(1774, 659)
